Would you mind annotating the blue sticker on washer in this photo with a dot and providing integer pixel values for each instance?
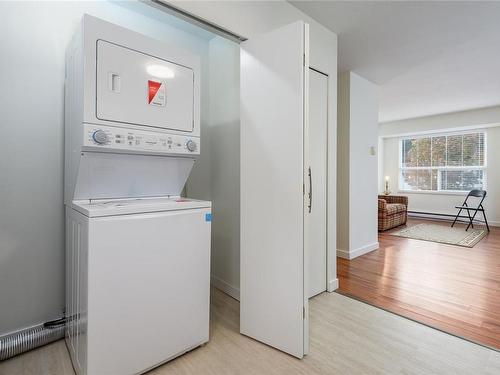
(208, 217)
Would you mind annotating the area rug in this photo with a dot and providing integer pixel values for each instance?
(442, 234)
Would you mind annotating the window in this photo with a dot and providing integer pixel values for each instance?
(454, 162)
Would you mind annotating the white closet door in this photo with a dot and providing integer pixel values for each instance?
(318, 138)
(274, 71)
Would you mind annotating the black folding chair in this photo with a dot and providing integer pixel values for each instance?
(477, 194)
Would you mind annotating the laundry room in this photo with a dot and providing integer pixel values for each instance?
(147, 180)
(38, 101)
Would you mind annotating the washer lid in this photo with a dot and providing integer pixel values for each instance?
(113, 207)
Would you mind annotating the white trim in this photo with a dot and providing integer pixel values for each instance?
(342, 253)
(225, 287)
(449, 168)
(332, 285)
(434, 192)
(440, 131)
(357, 252)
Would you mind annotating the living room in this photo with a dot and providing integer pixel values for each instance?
(419, 125)
(424, 269)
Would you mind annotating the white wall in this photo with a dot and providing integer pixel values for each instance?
(33, 40)
(247, 18)
(343, 164)
(363, 173)
(357, 166)
(444, 203)
(217, 176)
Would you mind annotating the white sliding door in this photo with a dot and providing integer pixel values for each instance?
(318, 139)
(274, 186)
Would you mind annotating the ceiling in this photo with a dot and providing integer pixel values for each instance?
(428, 57)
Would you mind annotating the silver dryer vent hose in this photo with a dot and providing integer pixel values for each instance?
(29, 338)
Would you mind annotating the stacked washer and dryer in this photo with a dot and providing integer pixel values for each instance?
(138, 255)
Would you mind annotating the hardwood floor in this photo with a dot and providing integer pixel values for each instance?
(454, 289)
(347, 337)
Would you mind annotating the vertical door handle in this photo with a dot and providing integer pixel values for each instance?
(310, 190)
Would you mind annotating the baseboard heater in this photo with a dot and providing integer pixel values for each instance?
(444, 217)
(30, 338)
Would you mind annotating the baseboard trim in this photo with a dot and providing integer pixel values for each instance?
(342, 253)
(333, 285)
(225, 287)
(357, 252)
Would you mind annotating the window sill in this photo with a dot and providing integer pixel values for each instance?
(430, 192)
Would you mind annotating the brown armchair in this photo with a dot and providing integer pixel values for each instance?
(392, 211)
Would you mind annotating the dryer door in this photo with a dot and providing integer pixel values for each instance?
(136, 88)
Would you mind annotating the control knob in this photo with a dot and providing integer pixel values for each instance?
(191, 145)
(100, 137)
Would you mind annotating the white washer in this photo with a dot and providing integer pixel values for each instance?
(140, 270)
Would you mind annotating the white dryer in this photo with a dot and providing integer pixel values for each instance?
(137, 254)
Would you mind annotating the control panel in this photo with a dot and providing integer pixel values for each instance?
(124, 139)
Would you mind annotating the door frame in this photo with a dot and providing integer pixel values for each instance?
(328, 237)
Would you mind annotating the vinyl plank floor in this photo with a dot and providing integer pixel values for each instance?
(347, 337)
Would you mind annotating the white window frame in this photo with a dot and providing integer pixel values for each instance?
(439, 169)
